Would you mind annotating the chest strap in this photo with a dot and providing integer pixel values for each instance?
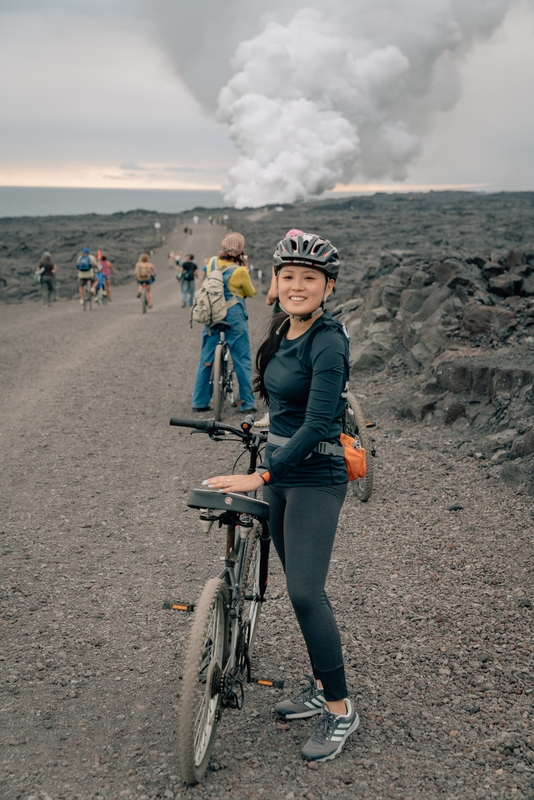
(324, 448)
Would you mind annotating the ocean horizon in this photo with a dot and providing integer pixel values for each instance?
(40, 201)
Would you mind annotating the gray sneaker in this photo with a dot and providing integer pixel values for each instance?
(330, 733)
(307, 703)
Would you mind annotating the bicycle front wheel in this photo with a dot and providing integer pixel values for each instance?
(251, 591)
(202, 682)
(354, 425)
(219, 378)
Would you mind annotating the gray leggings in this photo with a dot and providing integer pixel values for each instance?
(303, 522)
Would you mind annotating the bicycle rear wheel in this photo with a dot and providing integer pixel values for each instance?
(354, 425)
(144, 301)
(200, 698)
(87, 296)
(219, 382)
(251, 591)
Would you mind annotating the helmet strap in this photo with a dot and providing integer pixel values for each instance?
(307, 316)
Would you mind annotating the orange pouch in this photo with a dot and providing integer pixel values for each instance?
(354, 458)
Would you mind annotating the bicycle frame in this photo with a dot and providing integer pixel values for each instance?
(238, 526)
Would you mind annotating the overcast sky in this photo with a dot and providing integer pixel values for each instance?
(89, 97)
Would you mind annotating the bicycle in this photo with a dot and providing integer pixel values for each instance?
(87, 294)
(144, 298)
(222, 374)
(101, 296)
(226, 617)
(354, 425)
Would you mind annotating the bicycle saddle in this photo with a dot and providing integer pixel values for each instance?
(220, 326)
(242, 503)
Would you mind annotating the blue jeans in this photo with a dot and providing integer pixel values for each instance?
(239, 344)
(188, 290)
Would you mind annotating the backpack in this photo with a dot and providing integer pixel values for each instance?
(142, 271)
(189, 274)
(85, 264)
(210, 304)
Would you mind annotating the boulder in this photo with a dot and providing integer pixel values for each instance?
(373, 353)
(523, 445)
(514, 259)
(420, 280)
(436, 297)
(411, 300)
(422, 354)
(488, 319)
(391, 293)
(506, 285)
(453, 412)
(527, 288)
(492, 268)
(415, 406)
(444, 271)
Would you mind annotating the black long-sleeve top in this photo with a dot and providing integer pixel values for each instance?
(307, 383)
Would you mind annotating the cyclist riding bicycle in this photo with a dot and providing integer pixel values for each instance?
(86, 266)
(237, 284)
(303, 372)
(145, 272)
(106, 268)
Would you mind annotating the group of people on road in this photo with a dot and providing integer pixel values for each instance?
(96, 270)
(302, 373)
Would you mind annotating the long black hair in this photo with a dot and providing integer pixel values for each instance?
(267, 349)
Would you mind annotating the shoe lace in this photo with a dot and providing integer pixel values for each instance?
(308, 691)
(324, 726)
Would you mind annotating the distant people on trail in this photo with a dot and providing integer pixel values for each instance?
(186, 276)
(87, 267)
(145, 273)
(47, 269)
(170, 260)
(195, 220)
(237, 286)
(106, 268)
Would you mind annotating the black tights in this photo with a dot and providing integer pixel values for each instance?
(303, 522)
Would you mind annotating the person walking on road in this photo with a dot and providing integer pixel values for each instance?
(237, 284)
(87, 267)
(303, 372)
(187, 275)
(47, 270)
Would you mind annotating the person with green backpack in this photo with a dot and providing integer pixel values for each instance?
(222, 296)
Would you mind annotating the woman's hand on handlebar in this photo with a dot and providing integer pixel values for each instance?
(235, 483)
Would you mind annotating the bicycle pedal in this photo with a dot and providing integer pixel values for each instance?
(266, 682)
(179, 606)
(370, 424)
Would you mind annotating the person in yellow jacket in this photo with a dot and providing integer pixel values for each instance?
(231, 260)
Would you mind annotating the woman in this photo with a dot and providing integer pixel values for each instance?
(48, 270)
(106, 268)
(145, 272)
(303, 371)
(237, 286)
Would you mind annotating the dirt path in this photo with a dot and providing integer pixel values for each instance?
(434, 605)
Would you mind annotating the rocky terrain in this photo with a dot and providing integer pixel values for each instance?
(431, 580)
(438, 287)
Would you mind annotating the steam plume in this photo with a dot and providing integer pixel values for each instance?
(338, 89)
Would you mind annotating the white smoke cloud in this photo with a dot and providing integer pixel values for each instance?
(330, 92)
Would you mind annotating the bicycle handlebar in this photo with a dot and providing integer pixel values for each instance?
(209, 426)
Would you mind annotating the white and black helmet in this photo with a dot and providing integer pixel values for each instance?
(307, 250)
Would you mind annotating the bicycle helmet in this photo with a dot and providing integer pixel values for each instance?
(307, 250)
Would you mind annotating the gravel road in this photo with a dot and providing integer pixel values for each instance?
(431, 581)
